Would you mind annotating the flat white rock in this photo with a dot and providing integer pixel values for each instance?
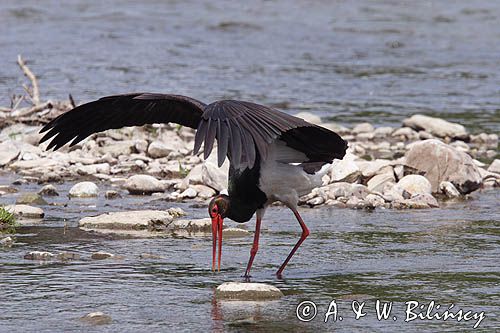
(247, 291)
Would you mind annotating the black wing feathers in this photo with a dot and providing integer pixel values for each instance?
(119, 111)
(245, 130)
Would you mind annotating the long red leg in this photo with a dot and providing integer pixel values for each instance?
(255, 246)
(305, 233)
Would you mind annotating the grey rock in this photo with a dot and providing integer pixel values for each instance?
(415, 184)
(374, 200)
(30, 198)
(84, 190)
(235, 233)
(92, 169)
(143, 184)
(439, 162)
(247, 291)
(363, 128)
(370, 168)
(110, 194)
(97, 318)
(100, 255)
(150, 220)
(48, 190)
(204, 192)
(316, 201)
(378, 182)
(188, 193)
(309, 117)
(158, 149)
(344, 170)
(214, 177)
(495, 166)
(405, 133)
(25, 211)
(436, 126)
(8, 152)
(6, 241)
(192, 225)
(449, 190)
(39, 255)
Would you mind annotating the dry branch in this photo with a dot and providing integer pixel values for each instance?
(34, 93)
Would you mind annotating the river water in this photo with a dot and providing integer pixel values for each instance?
(346, 61)
(350, 61)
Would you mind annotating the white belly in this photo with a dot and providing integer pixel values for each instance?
(286, 182)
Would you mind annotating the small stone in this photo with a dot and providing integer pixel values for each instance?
(316, 201)
(48, 190)
(158, 149)
(110, 194)
(415, 184)
(30, 198)
(235, 233)
(143, 184)
(39, 255)
(149, 256)
(192, 225)
(405, 133)
(436, 126)
(25, 211)
(309, 117)
(344, 170)
(6, 241)
(204, 192)
(381, 132)
(448, 189)
(374, 200)
(495, 166)
(378, 182)
(426, 198)
(188, 193)
(97, 318)
(363, 128)
(101, 255)
(66, 256)
(84, 190)
(247, 291)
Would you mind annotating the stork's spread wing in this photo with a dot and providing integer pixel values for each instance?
(245, 129)
(121, 110)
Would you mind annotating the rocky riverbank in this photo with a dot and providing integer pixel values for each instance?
(415, 166)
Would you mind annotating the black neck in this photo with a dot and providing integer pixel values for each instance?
(244, 193)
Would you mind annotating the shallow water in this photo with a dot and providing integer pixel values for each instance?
(350, 61)
(448, 255)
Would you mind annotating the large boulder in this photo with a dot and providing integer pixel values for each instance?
(436, 126)
(439, 162)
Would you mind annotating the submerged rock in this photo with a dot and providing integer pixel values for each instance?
(110, 194)
(235, 233)
(143, 184)
(39, 255)
(30, 198)
(247, 291)
(100, 255)
(439, 162)
(25, 211)
(192, 225)
(6, 241)
(97, 318)
(84, 190)
(436, 126)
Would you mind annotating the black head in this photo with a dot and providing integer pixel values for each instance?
(219, 206)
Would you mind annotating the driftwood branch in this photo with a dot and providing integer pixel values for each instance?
(34, 93)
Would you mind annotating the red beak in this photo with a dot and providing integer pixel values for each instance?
(216, 233)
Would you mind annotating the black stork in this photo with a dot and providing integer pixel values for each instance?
(273, 156)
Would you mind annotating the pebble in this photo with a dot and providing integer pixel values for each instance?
(97, 318)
